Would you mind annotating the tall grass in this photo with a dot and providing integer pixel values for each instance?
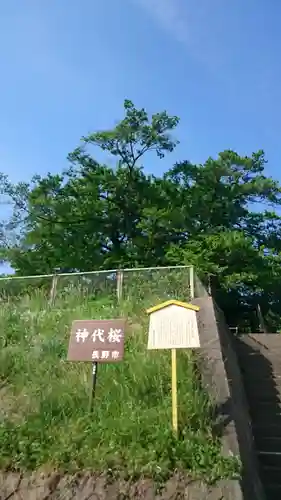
(44, 418)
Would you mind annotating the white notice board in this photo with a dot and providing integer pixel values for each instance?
(173, 327)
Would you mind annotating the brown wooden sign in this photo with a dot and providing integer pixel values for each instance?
(100, 341)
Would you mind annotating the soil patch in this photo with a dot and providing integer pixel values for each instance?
(86, 486)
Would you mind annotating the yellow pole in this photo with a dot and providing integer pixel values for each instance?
(174, 392)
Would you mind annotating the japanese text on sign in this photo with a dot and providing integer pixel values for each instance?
(114, 335)
(101, 340)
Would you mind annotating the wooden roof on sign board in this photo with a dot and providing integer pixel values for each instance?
(172, 303)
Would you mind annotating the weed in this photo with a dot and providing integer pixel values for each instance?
(46, 422)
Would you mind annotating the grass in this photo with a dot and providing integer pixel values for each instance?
(44, 418)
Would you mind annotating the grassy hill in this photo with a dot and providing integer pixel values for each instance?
(44, 417)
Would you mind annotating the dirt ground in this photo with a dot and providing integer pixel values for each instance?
(13, 486)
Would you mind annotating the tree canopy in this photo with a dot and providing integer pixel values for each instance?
(93, 216)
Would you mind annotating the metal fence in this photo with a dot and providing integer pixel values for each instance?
(136, 284)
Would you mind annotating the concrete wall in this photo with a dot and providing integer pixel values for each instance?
(221, 375)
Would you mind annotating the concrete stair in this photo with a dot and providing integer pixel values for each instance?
(259, 357)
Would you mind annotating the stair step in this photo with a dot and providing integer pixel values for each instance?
(260, 378)
(269, 459)
(261, 393)
(267, 407)
(258, 396)
(271, 475)
(259, 350)
(258, 369)
(272, 492)
(264, 399)
(266, 430)
(267, 413)
(262, 386)
(257, 341)
(268, 444)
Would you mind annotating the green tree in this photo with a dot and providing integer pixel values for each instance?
(227, 239)
(90, 216)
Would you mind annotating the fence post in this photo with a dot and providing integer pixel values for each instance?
(53, 291)
(191, 282)
(261, 320)
(119, 285)
(209, 285)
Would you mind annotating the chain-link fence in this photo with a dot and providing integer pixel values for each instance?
(138, 285)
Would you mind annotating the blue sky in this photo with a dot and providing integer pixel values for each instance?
(67, 67)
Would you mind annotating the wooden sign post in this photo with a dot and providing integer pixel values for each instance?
(173, 325)
(174, 392)
(98, 341)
